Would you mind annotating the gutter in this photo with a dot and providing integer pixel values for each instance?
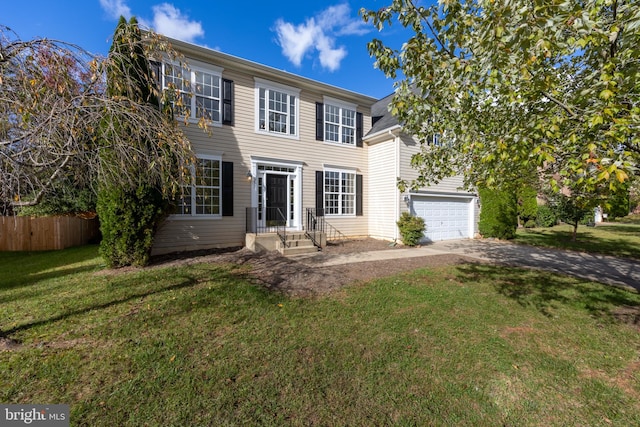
(382, 132)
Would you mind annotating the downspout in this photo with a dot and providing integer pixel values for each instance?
(397, 191)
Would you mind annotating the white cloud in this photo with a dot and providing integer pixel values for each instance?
(296, 40)
(116, 8)
(319, 34)
(339, 17)
(168, 20)
(330, 58)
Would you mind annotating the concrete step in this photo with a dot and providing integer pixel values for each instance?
(298, 250)
(296, 236)
(298, 243)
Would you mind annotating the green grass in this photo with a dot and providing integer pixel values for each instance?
(202, 345)
(613, 238)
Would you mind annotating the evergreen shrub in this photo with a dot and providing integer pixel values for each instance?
(499, 213)
(546, 216)
(411, 228)
(128, 222)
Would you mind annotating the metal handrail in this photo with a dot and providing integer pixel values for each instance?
(316, 224)
(268, 220)
(281, 226)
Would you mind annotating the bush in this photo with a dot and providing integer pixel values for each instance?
(498, 214)
(546, 216)
(527, 206)
(411, 228)
(128, 222)
(588, 219)
(618, 205)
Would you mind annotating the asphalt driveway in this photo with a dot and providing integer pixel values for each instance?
(598, 268)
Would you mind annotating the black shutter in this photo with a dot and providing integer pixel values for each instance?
(358, 195)
(319, 193)
(227, 188)
(227, 102)
(359, 123)
(319, 121)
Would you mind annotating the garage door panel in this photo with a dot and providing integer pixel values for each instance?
(445, 218)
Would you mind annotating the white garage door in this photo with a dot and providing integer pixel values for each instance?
(446, 218)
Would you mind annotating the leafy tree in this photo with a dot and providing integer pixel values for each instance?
(571, 210)
(65, 198)
(129, 214)
(617, 204)
(54, 110)
(545, 87)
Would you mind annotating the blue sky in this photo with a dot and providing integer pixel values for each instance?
(321, 40)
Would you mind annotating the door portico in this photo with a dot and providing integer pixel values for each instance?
(277, 187)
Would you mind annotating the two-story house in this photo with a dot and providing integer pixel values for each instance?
(283, 147)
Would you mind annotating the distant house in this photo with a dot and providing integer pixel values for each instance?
(286, 154)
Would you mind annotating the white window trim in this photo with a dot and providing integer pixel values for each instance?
(342, 105)
(194, 66)
(257, 161)
(291, 91)
(193, 215)
(324, 193)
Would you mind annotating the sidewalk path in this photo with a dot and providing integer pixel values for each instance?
(598, 268)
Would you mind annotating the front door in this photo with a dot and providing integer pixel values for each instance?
(276, 197)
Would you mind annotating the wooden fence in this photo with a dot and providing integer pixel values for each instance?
(19, 233)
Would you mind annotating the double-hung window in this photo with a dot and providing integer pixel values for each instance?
(203, 196)
(195, 93)
(339, 124)
(339, 192)
(277, 108)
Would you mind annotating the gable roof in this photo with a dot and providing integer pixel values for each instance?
(207, 55)
(381, 117)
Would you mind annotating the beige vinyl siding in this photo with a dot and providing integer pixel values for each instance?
(383, 192)
(449, 185)
(239, 144)
(409, 147)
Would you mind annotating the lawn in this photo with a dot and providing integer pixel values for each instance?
(203, 345)
(611, 238)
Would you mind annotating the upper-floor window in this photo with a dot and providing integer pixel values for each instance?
(339, 124)
(198, 93)
(277, 107)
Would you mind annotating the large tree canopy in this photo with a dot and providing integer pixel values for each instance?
(518, 88)
(57, 120)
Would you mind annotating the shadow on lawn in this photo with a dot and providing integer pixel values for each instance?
(183, 283)
(177, 281)
(621, 228)
(547, 292)
(586, 240)
(29, 268)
